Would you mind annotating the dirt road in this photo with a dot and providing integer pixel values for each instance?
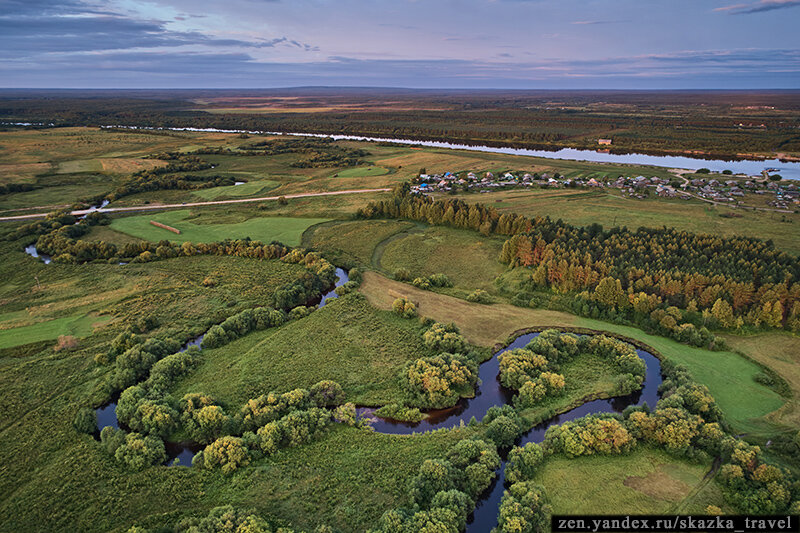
(198, 204)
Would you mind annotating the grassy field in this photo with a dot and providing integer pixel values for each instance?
(781, 353)
(364, 350)
(77, 326)
(728, 376)
(353, 242)
(249, 189)
(362, 172)
(646, 481)
(468, 259)
(69, 299)
(53, 479)
(608, 208)
(194, 229)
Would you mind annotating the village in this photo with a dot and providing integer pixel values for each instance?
(713, 187)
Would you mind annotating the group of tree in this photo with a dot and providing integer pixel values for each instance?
(532, 370)
(241, 324)
(748, 280)
(170, 176)
(8, 188)
(316, 152)
(228, 453)
(717, 125)
(405, 308)
(441, 380)
(686, 422)
(67, 225)
(432, 281)
(444, 491)
(225, 519)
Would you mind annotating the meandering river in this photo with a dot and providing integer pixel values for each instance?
(751, 167)
(489, 393)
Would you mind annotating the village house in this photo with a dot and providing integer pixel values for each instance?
(604, 142)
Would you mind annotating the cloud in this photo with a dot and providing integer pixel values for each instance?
(593, 22)
(758, 7)
(32, 27)
(155, 69)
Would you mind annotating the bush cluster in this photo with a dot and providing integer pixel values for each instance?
(440, 381)
(399, 412)
(532, 370)
(444, 491)
(241, 324)
(436, 280)
(405, 308)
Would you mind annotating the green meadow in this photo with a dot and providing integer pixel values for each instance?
(193, 228)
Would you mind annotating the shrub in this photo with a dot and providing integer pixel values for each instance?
(445, 338)
(355, 275)
(270, 407)
(65, 343)
(671, 427)
(435, 475)
(441, 380)
(422, 283)
(520, 366)
(301, 311)
(327, 394)
(85, 420)
(503, 431)
(398, 412)
(402, 274)
(440, 280)
(590, 435)
(203, 420)
(139, 451)
(479, 296)
(474, 465)
(223, 520)
(227, 453)
(346, 414)
(154, 417)
(457, 502)
(111, 439)
(404, 308)
(522, 462)
(523, 509)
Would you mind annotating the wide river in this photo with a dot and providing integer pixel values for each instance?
(789, 170)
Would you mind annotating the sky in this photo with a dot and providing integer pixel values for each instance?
(504, 44)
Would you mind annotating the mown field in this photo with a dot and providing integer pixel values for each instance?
(193, 228)
(76, 326)
(353, 242)
(645, 481)
(249, 189)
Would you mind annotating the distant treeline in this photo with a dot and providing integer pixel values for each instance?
(715, 124)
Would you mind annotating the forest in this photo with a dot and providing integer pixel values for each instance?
(720, 124)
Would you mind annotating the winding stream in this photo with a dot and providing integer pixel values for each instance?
(489, 393)
(181, 453)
